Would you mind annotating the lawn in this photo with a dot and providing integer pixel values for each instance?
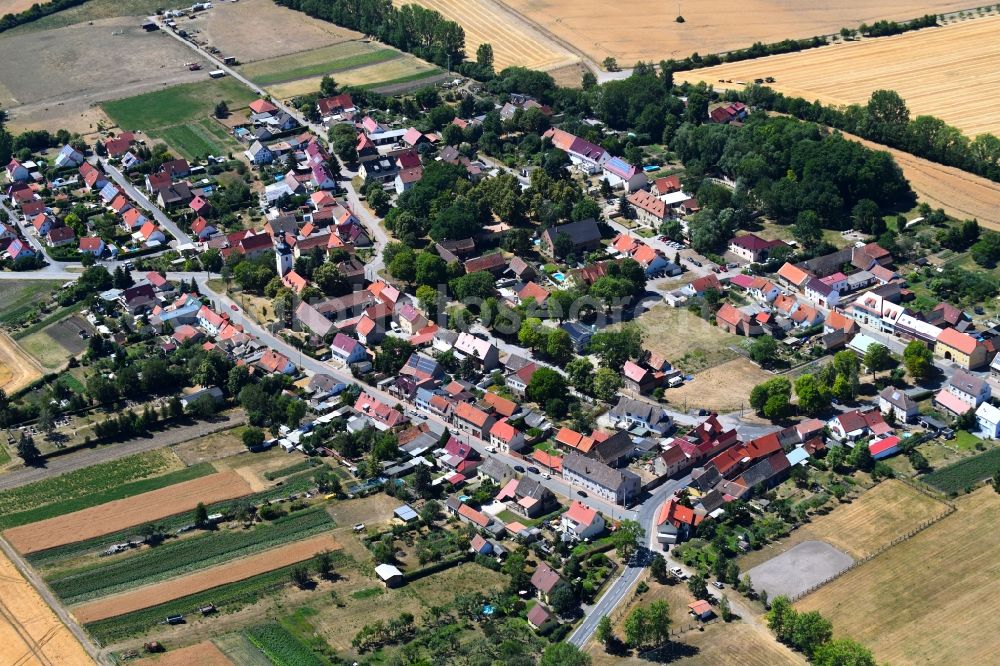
(177, 104)
(4, 455)
(889, 510)
(930, 600)
(686, 340)
(45, 349)
(109, 476)
(317, 62)
(197, 139)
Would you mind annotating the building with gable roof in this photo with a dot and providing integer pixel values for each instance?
(581, 522)
(675, 522)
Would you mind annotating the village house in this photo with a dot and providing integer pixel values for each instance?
(581, 522)
(60, 236)
(675, 522)
(484, 353)
(496, 471)
(545, 580)
(960, 348)
(631, 413)
(518, 381)
(347, 350)
(903, 407)
(381, 415)
(963, 392)
(273, 362)
(470, 419)
(460, 457)
(506, 438)
(753, 248)
(738, 322)
(583, 236)
(638, 379)
(615, 485)
(988, 420)
(855, 424)
(528, 497)
(92, 244)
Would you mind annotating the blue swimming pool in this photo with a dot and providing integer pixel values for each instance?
(558, 277)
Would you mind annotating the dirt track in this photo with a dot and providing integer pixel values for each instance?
(17, 369)
(30, 633)
(202, 654)
(169, 590)
(128, 512)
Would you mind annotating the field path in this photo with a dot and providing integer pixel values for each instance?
(960, 193)
(34, 627)
(168, 590)
(129, 512)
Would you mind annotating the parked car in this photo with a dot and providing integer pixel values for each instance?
(718, 584)
(534, 470)
(581, 493)
(519, 469)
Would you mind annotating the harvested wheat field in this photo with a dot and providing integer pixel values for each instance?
(949, 72)
(961, 194)
(30, 632)
(252, 30)
(647, 30)
(889, 510)
(202, 654)
(128, 512)
(934, 599)
(168, 590)
(17, 369)
(14, 6)
(514, 40)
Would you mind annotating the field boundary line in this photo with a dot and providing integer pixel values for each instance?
(872, 555)
(47, 597)
(585, 60)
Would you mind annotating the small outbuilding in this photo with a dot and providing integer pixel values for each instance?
(701, 609)
(390, 575)
(406, 513)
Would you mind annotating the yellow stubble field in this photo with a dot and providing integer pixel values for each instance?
(949, 72)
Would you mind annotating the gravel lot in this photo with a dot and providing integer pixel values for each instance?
(798, 569)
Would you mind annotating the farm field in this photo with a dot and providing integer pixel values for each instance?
(22, 299)
(888, 510)
(947, 577)
(233, 571)
(14, 6)
(92, 10)
(197, 138)
(17, 369)
(932, 69)
(404, 69)
(311, 64)
(175, 557)
(89, 480)
(966, 473)
(280, 646)
(45, 350)
(252, 30)
(961, 194)
(72, 84)
(122, 513)
(202, 654)
(178, 104)
(515, 41)
(598, 30)
(30, 632)
(239, 650)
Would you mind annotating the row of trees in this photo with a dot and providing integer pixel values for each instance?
(812, 634)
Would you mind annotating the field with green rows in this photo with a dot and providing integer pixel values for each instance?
(965, 473)
(295, 484)
(76, 485)
(282, 647)
(177, 557)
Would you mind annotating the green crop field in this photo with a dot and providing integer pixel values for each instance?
(77, 484)
(305, 71)
(282, 647)
(177, 104)
(178, 557)
(60, 507)
(197, 139)
(21, 299)
(295, 484)
(294, 468)
(316, 62)
(231, 596)
(966, 473)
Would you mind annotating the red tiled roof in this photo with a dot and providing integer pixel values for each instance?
(580, 513)
(957, 340)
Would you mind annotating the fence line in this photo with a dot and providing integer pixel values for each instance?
(878, 551)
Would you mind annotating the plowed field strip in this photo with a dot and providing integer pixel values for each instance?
(176, 588)
(128, 512)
